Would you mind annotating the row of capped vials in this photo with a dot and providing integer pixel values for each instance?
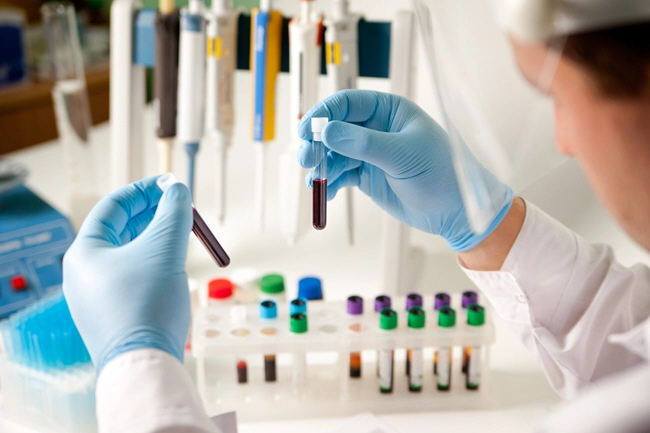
(387, 320)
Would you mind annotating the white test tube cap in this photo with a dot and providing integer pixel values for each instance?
(317, 125)
(166, 180)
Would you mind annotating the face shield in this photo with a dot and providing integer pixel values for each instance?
(488, 108)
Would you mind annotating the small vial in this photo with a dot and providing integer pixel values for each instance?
(416, 320)
(412, 300)
(355, 308)
(440, 300)
(199, 227)
(310, 288)
(242, 371)
(442, 356)
(386, 360)
(220, 292)
(272, 288)
(319, 174)
(238, 318)
(298, 305)
(298, 325)
(475, 317)
(469, 297)
(381, 302)
(269, 314)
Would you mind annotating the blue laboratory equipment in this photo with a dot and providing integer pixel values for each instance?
(48, 381)
(33, 238)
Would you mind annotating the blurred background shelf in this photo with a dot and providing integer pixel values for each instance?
(27, 111)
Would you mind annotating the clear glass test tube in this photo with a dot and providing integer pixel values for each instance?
(355, 309)
(319, 174)
(71, 106)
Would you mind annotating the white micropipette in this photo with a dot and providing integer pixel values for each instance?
(221, 63)
(191, 82)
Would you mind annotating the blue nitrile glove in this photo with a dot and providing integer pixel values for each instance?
(124, 275)
(400, 157)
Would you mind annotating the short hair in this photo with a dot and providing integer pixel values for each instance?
(617, 58)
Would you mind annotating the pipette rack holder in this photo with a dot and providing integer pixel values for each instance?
(217, 344)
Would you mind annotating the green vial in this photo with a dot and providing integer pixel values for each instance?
(386, 357)
(442, 356)
(475, 317)
(416, 320)
(272, 288)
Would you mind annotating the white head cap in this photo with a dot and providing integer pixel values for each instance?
(317, 125)
(534, 21)
(166, 180)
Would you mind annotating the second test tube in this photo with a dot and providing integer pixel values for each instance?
(319, 174)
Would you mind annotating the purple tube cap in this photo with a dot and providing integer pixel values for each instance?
(413, 300)
(441, 299)
(355, 305)
(381, 302)
(469, 297)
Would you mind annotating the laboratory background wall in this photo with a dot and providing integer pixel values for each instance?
(564, 193)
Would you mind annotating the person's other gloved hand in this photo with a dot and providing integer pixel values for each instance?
(124, 275)
(400, 157)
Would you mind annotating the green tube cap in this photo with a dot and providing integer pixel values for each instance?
(272, 283)
(475, 315)
(298, 323)
(416, 318)
(446, 317)
(388, 319)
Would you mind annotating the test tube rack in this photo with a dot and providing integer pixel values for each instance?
(328, 389)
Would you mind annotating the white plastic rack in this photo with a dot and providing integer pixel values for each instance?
(327, 389)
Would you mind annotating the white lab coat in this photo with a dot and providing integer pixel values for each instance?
(584, 315)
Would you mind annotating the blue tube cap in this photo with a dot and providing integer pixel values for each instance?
(268, 309)
(310, 288)
(298, 305)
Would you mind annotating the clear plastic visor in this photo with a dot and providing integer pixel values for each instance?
(487, 106)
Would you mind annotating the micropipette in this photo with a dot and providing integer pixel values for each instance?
(191, 81)
(221, 63)
(266, 33)
(166, 81)
(319, 174)
(341, 54)
(199, 227)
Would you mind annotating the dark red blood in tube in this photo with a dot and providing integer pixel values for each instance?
(319, 203)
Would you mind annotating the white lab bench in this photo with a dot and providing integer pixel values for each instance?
(520, 391)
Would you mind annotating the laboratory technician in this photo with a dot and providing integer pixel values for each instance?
(585, 316)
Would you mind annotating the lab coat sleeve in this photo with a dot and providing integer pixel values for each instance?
(148, 390)
(565, 297)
